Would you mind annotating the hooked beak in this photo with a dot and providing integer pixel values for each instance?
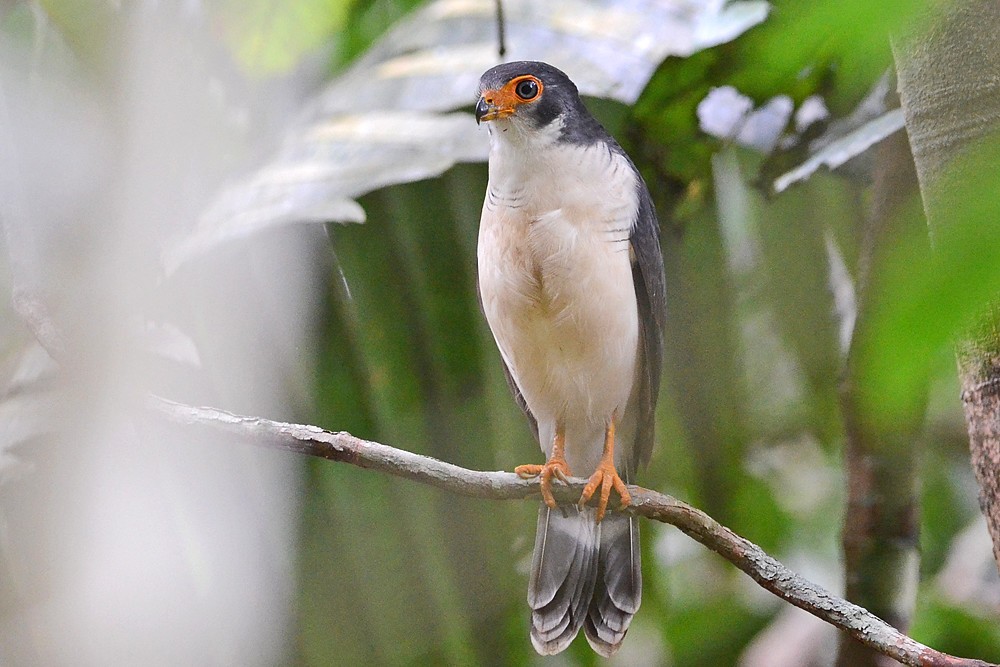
(487, 110)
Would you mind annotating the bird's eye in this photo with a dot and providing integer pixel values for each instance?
(527, 89)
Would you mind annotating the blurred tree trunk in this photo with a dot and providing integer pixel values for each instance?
(950, 95)
(881, 522)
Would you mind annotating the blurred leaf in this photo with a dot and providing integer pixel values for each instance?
(323, 168)
(704, 367)
(367, 21)
(928, 304)
(942, 512)
(832, 49)
(26, 403)
(85, 26)
(404, 349)
(956, 631)
(821, 139)
(23, 419)
(270, 36)
(795, 279)
(19, 24)
(838, 152)
(802, 43)
(433, 59)
(713, 633)
(376, 124)
(728, 115)
(756, 515)
(167, 341)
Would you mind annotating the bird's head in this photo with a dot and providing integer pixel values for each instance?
(529, 95)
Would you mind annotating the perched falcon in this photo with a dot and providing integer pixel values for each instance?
(571, 282)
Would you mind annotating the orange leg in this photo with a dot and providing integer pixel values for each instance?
(606, 476)
(556, 467)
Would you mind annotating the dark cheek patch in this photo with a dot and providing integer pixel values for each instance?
(546, 110)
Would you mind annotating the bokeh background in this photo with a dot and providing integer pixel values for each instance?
(180, 190)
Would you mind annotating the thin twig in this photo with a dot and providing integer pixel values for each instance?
(747, 556)
(501, 31)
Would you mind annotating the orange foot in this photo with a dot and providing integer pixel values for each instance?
(555, 467)
(607, 478)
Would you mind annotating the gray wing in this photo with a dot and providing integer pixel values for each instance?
(618, 589)
(650, 294)
(519, 399)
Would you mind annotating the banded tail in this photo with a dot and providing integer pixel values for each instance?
(583, 574)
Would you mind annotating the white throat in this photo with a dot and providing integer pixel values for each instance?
(511, 134)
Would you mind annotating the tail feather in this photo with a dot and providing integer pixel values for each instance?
(563, 573)
(583, 574)
(618, 589)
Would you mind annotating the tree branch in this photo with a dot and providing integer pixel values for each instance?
(747, 556)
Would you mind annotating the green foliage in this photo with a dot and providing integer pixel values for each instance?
(270, 37)
(957, 631)
(83, 25)
(945, 511)
(927, 304)
(367, 21)
(696, 635)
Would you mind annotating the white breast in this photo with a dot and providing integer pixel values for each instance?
(556, 283)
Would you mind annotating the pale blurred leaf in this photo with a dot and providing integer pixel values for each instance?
(722, 111)
(167, 341)
(23, 418)
(838, 152)
(969, 577)
(433, 59)
(377, 124)
(846, 138)
(727, 114)
(24, 408)
(845, 300)
(33, 367)
(812, 110)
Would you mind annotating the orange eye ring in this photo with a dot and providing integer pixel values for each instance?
(527, 88)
